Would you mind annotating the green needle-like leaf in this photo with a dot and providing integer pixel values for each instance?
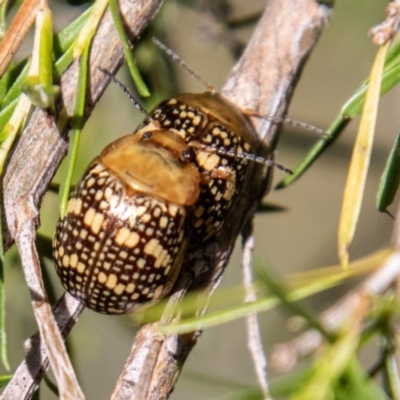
(12, 127)
(355, 384)
(277, 289)
(351, 109)
(390, 179)
(88, 30)
(302, 285)
(5, 115)
(18, 76)
(331, 364)
(64, 39)
(63, 43)
(39, 82)
(5, 379)
(329, 138)
(140, 85)
(76, 128)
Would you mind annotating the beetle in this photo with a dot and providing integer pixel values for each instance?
(149, 197)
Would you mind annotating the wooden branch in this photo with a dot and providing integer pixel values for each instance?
(32, 166)
(30, 372)
(263, 81)
(49, 333)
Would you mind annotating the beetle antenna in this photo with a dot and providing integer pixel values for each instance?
(182, 63)
(126, 91)
(289, 121)
(233, 154)
(305, 125)
(210, 88)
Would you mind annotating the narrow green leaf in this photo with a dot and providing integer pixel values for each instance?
(80, 48)
(331, 364)
(351, 109)
(45, 47)
(63, 62)
(390, 78)
(5, 379)
(331, 135)
(5, 115)
(358, 170)
(63, 53)
(13, 126)
(18, 80)
(300, 287)
(6, 81)
(355, 384)
(393, 56)
(76, 128)
(392, 373)
(64, 43)
(140, 85)
(88, 30)
(390, 179)
(64, 39)
(283, 294)
(16, 77)
(39, 82)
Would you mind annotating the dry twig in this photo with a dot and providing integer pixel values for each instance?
(383, 32)
(253, 328)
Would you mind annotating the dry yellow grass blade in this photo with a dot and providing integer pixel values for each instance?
(358, 170)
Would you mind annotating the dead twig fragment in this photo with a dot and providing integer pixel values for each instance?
(31, 371)
(254, 340)
(383, 32)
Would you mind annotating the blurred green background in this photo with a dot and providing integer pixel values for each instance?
(300, 238)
